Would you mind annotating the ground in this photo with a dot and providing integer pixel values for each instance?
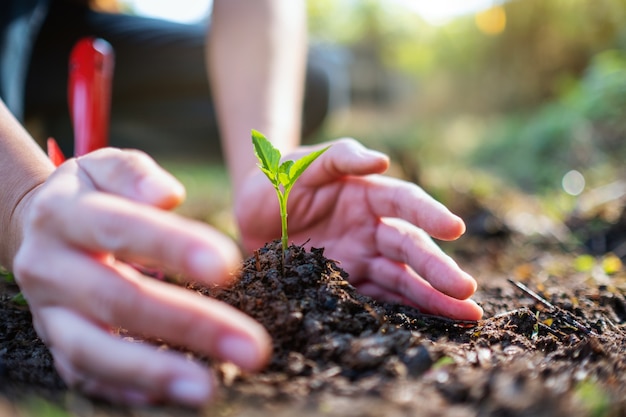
(551, 342)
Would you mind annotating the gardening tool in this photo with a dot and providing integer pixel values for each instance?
(89, 96)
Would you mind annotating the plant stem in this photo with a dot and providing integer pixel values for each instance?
(282, 202)
(285, 239)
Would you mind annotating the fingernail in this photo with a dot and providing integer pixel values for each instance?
(461, 225)
(479, 310)
(241, 351)
(190, 391)
(160, 186)
(376, 154)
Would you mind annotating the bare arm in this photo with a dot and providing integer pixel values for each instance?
(23, 166)
(256, 60)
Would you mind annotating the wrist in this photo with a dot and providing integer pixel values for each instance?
(15, 222)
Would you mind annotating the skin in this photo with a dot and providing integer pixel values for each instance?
(70, 233)
(378, 227)
(268, 58)
(90, 217)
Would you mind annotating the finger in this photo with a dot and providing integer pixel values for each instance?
(400, 241)
(390, 197)
(402, 280)
(373, 290)
(104, 365)
(117, 295)
(345, 157)
(132, 174)
(104, 223)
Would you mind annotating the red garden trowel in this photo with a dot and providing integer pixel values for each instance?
(89, 95)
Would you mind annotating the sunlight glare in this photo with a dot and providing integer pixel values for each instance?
(188, 11)
(441, 12)
(183, 11)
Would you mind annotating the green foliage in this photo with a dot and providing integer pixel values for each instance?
(579, 130)
(40, 407)
(593, 398)
(6, 276)
(465, 69)
(283, 175)
(602, 93)
(443, 362)
(19, 299)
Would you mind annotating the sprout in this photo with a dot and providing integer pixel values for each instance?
(282, 175)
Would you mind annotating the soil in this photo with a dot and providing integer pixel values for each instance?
(551, 344)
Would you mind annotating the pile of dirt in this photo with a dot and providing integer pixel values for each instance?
(550, 346)
(534, 357)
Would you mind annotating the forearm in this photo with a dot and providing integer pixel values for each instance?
(23, 166)
(256, 61)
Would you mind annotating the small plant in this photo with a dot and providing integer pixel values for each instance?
(282, 175)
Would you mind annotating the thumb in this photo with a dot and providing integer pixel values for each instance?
(345, 157)
(132, 174)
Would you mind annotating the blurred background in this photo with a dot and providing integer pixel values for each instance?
(515, 107)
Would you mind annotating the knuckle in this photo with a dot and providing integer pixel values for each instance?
(109, 234)
(42, 209)
(28, 270)
(135, 159)
(112, 305)
(349, 142)
(115, 166)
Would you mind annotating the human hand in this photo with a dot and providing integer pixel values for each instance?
(378, 227)
(81, 226)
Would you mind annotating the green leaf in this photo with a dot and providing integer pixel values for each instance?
(269, 174)
(267, 154)
(303, 163)
(283, 173)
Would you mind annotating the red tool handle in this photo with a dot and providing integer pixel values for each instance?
(89, 93)
(54, 152)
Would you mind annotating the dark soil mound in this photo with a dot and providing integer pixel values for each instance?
(332, 342)
(319, 322)
(558, 351)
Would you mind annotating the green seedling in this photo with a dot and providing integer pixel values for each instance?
(282, 175)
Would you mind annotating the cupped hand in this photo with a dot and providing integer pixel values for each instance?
(378, 227)
(82, 226)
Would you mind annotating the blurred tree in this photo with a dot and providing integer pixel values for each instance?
(510, 57)
(584, 129)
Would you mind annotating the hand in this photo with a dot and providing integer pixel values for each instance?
(81, 226)
(377, 227)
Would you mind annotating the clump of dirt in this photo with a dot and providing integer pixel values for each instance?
(24, 360)
(320, 324)
(551, 343)
(331, 342)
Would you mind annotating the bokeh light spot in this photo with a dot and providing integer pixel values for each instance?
(573, 182)
(491, 21)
